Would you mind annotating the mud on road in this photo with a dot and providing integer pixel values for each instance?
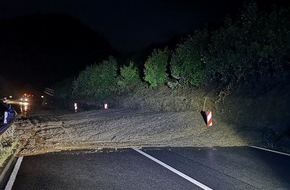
(120, 128)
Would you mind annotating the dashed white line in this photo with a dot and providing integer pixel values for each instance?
(14, 174)
(174, 170)
(274, 151)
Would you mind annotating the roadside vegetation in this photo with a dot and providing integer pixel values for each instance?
(252, 48)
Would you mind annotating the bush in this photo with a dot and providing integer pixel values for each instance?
(251, 49)
(98, 81)
(155, 68)
(129, 76)
(187, 65)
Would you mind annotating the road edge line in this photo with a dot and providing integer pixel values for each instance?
(269, 150)
(6, 169)
(173, 170)
(14, 174)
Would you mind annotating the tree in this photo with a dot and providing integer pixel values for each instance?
(155, 68)
(187, 63)
(251, 49)
(129, 76)
(98, 80)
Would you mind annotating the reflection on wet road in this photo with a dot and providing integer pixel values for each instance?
(21, 107)
(24, 108)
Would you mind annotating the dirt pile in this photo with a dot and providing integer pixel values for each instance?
(117, 128)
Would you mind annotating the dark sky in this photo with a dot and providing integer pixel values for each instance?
(123, 25)
(129, 24)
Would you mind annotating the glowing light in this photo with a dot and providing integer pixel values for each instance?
(76, 107)
(24, 107)
(24, 103)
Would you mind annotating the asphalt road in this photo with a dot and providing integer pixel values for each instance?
(152, 168)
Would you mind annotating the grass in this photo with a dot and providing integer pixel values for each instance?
(7, 145)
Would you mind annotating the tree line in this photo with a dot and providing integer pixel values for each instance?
(252, 48)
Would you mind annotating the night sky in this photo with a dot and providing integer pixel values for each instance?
(129, 25)
(44, 41)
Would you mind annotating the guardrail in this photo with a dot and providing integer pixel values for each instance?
(10, 120)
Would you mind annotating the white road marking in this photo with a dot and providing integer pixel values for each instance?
(174, 170)
(14, 174)
(274, 151)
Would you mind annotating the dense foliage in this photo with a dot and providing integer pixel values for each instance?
(129, 76)
(155, 68)
(98, 81)
(187, 63)
(252, 48)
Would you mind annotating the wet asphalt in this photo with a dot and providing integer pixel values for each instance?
(215, 167)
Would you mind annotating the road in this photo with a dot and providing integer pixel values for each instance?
(156, 168)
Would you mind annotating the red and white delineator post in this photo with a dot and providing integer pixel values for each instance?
(76, 107)
(207, 115)
(209, 118)
(106, 106)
